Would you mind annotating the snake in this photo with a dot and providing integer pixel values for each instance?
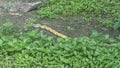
(50, 30)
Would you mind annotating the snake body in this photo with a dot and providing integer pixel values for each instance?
(50, 30)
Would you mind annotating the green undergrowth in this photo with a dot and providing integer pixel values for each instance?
(33, 49)
(106, 12)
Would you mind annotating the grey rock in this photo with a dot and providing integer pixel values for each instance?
(22, 7)
(29, 6)
(3, 5)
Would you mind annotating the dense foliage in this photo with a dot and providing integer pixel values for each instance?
(106, 12)
(33, 49)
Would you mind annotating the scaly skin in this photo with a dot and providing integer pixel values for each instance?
(50, 30)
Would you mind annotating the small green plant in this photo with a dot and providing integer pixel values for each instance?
(102, 37)
(9, 6)
(9, 29)
(107, 23)
(116, 25)
(118, 37)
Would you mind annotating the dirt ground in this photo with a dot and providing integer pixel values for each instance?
(72, 26)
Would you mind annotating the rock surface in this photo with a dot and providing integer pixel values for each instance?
(29, 6)
(22, 7)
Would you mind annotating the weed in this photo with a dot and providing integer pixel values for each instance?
(116, 25)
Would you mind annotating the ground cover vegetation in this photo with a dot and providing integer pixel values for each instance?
(33, 49)
(106, 12)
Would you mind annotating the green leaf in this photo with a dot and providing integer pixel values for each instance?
(1, 41)
(116, 25)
